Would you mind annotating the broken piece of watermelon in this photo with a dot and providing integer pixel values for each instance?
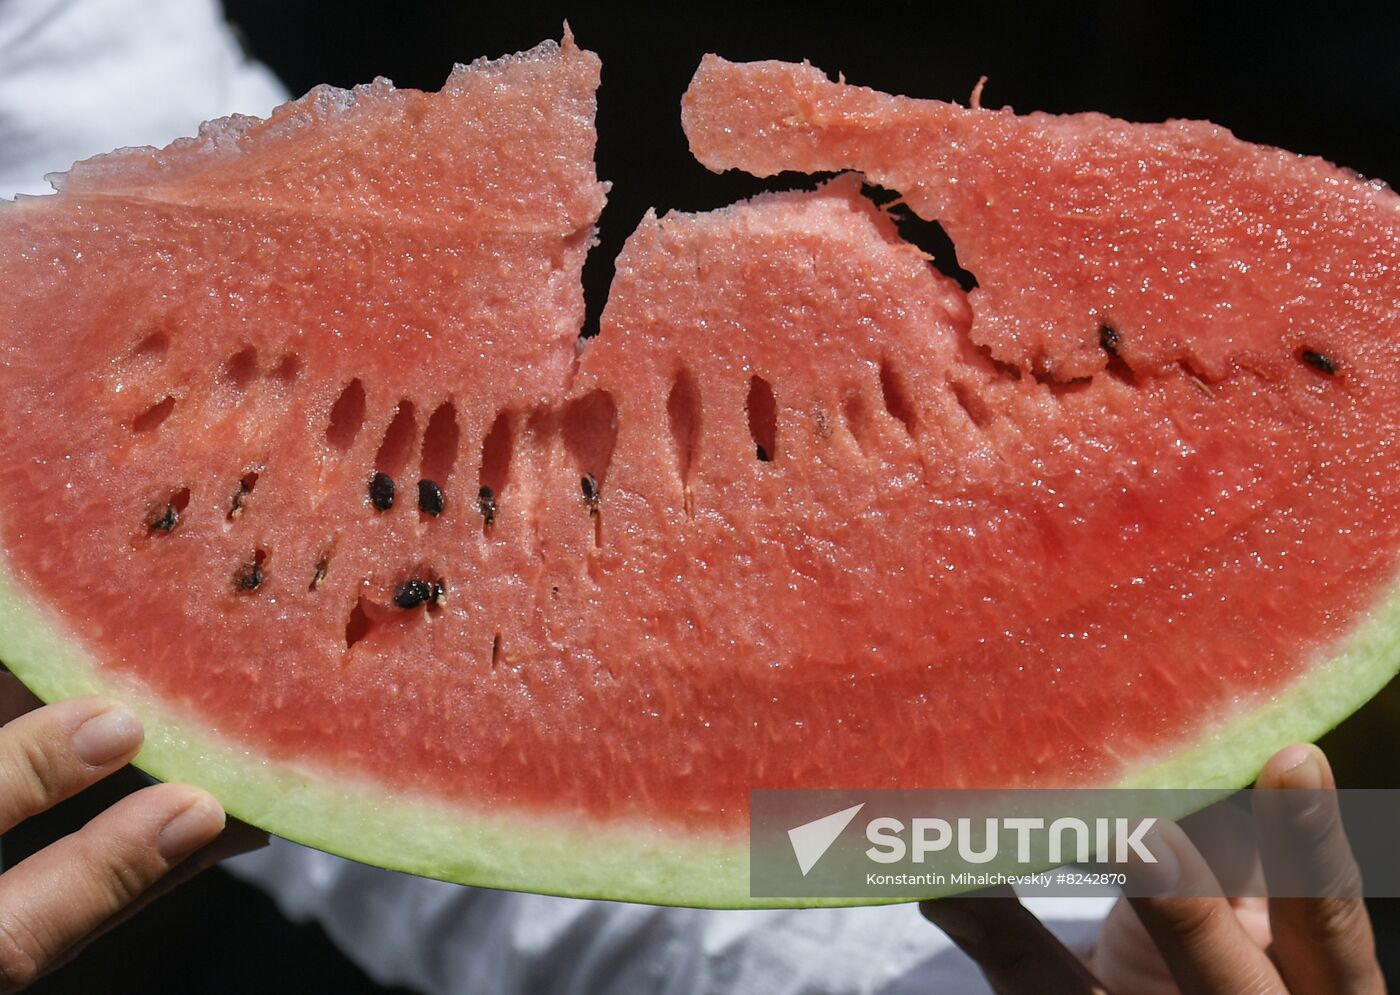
(304, 461)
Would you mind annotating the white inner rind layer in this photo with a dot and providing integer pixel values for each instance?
(562, 854)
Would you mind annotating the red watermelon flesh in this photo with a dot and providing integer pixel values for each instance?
(803, 514)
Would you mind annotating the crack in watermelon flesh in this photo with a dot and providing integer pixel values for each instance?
(304, 457)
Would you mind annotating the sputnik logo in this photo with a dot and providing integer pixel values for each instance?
(812, 839)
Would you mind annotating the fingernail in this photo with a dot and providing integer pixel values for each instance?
(108, 736)
(1155, 877)
(190, 829)
(1303, 771)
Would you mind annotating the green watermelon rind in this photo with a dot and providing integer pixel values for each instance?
(547, 853)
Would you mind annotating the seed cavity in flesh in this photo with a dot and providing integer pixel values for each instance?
(319, 577)
(1319, 361)
(153, 417)
(762, 411)
(486, 503)
(895, 394)
(588, 484)
(248, 577)
(165, 519)
(358, 625)
(347, 417)
(1111, 341)
(430, 501)
(415, 592)
(381, 491)
(245, 487)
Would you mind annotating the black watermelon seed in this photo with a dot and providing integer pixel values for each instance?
(381, 491)
(1109, 339)
(412, 593)
(589, 485)
(429, 498)
(165, 520)
(243, 491)
(486, 503)
(1319, 361)
(248, 577)
(762, 455)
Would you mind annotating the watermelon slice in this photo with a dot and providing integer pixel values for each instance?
(304, 459)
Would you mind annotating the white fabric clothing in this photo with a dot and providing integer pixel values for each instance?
(79, 77)
(443, 938)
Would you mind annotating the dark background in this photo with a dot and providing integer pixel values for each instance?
(1316, 79)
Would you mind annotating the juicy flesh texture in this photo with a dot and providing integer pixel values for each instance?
(958, 564)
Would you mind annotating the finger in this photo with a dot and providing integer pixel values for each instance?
(1322, 942)
(1205, 946)
(56, 898)
(237, 837)
(56, 751)
(1223, 834)
(15, 698)
(1010, 945)
(1126, 959)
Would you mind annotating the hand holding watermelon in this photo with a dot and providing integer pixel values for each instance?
(1196, 945)
(58, 899)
